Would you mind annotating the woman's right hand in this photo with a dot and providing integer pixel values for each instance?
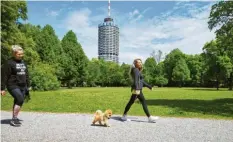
(3, 93)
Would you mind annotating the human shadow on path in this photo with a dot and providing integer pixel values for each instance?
(134, 119)
(7, 121)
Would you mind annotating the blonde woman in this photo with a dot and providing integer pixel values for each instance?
(136, 89)
(15, 78)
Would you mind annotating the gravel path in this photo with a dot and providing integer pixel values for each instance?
(49, 127)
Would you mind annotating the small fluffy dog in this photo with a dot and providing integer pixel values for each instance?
(102, 117)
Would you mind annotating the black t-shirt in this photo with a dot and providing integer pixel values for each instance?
(14, 74)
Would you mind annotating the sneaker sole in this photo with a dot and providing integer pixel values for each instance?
(15, 125)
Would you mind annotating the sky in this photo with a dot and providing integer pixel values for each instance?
(144, 26)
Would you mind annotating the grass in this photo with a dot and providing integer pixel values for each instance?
(171, 102)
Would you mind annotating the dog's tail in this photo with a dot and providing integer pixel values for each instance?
(98, 112)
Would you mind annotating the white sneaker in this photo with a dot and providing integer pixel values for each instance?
(124, 118)
(153, 119)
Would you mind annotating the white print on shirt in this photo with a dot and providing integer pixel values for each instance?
(20, 69)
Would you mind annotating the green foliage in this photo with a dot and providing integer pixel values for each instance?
(218, 63)
(195, 65)
(30, 30)
(181, 72)
(115, 74)
(74, 62)
(161, 81)
(149, 70)
(225, 66)
(125, 70)
(48, 45)
(43, 77)
(11, 12)
(170, 63)
(28, 44)
(221, 15)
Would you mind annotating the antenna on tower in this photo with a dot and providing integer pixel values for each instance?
(108, 8)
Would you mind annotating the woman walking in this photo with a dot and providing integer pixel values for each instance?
(136, 89)
(15, 77)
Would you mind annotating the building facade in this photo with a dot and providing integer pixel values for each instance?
(108, 41)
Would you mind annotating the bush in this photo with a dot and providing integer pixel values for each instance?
(161, 81)
(43, 77)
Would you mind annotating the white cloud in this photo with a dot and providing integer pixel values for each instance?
(135, 16)
(191, 31)
(138, 38)
(79, 19)
(53, 13)
(87, 34)
(194, 33)
(128, 57)
(134, 13)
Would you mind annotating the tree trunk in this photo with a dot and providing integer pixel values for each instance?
(69, 84)
(201, 80)
(217, 83)
(180, 84)
(231, 81)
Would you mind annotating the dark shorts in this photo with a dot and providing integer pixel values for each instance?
(18, 94)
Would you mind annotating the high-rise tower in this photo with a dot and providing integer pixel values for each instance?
(108, 39)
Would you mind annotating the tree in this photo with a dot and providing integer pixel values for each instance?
(160, 78)
(159, 69)
(27, 43)
(194, 63)
(43, 78)
(74, 61)
(157, 56)
(170, 63)
(30, 30)
(218, 63)
(48, 45)
(149, 70)
(11, 12)
(125, 69)
(115, 74)
(26, 39)
(93, 77)
(181, 72)
(221, 15)
(82, 66)
(161, 81)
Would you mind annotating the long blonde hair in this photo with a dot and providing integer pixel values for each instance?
(133, 66)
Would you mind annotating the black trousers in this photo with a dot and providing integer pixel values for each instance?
(142, 100)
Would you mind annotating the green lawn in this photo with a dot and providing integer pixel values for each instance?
(175, 102)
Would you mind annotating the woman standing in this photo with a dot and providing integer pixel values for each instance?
(14, 77)
(136, 89)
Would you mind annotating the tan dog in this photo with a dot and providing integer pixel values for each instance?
(102, 117)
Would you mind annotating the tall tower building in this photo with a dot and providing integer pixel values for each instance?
(108, 39)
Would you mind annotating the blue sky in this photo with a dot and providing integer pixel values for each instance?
(144, 26)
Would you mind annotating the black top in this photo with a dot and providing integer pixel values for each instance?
(138, 81)
(14, 74)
